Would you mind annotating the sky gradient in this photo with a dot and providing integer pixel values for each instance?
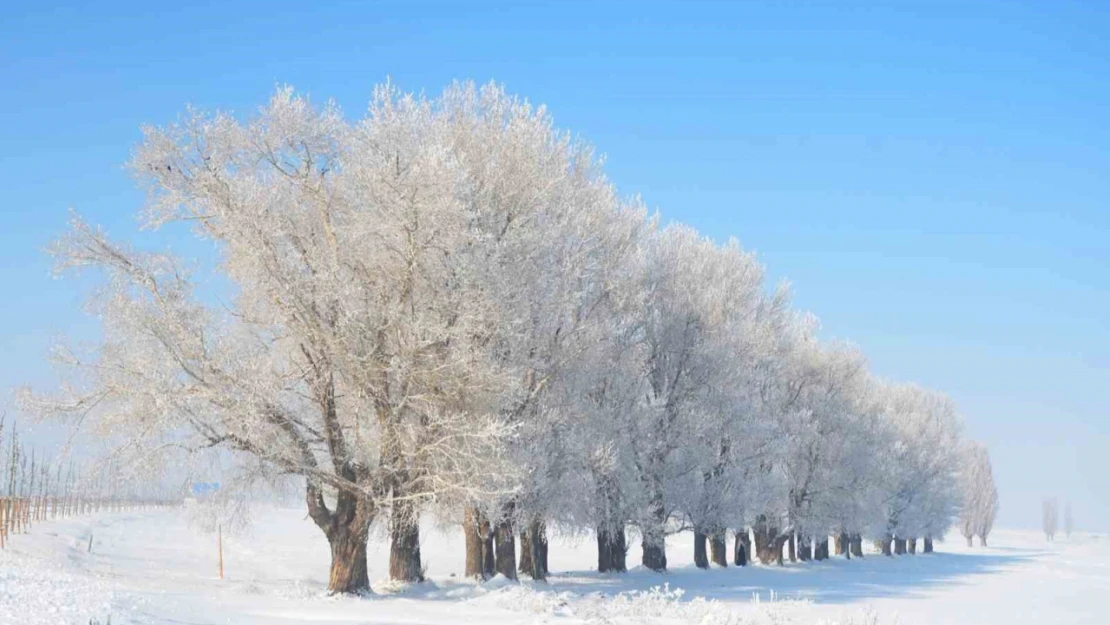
(933, 179)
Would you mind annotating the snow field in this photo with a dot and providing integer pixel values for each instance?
(154, 568)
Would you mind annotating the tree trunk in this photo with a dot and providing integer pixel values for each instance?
(805, 549)
(404, 548)
(768, 544)
(928, 544)
(611, 550)
(791, 547)
(505, 563)
(604, 550)
(970, 540)
(701, 559)
(533, 550)
(855, 546)
(900, 546)
(718, 549)
(542, 550)
(479, 544)
(348, 573)
(525, 565)
(911, 545)
(762, 551)
(822, 549)
(347, 529)
(743, 547)
(474, 568)
(883, 544)
(619, 546)
(982, 541)
(653, 542)
(489, 551)
(654, 553)
(840, 544)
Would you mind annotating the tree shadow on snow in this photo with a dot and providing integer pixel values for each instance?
(835, 581)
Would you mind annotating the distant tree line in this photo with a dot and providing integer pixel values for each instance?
(35, 487)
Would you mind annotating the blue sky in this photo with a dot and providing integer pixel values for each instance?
(933, 178)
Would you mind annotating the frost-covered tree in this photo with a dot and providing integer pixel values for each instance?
(549, 239)
(1050, 512)
(445, 307)
(980, 496)
(1068, 523)
(356, 352)
(820, 432)
(690, 295)
(920, 466)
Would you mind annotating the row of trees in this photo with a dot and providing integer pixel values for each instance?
(445, 307)
(34, 487)
(1050, 515)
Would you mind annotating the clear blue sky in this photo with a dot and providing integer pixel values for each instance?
(933, 179)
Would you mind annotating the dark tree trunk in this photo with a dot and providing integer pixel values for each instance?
(619, 546)
(653, 543)
(404, 548)
(821, 550)
(900, 546)
(533, 551)
(604, 550)
(505, 539)
(855, 546)
(911, 545)
(701, 558)
(743, 547)
(928, 544)
(982, 541)
(791, 548)
(805, 548)
(542, 550)
(655, 553)
(718, 549)
(611, 550)
(611, 545)
(970, 541)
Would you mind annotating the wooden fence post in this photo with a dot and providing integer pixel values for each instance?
(220, 547)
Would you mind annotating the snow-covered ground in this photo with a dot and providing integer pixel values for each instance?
(153, 567)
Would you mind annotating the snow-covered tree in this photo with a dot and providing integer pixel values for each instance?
(1050, 512)
(691, 295)
(980, 496)
(1068, 523)
(445, 307)
(921, 467)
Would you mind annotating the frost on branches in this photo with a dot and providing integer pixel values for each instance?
(446, 307)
